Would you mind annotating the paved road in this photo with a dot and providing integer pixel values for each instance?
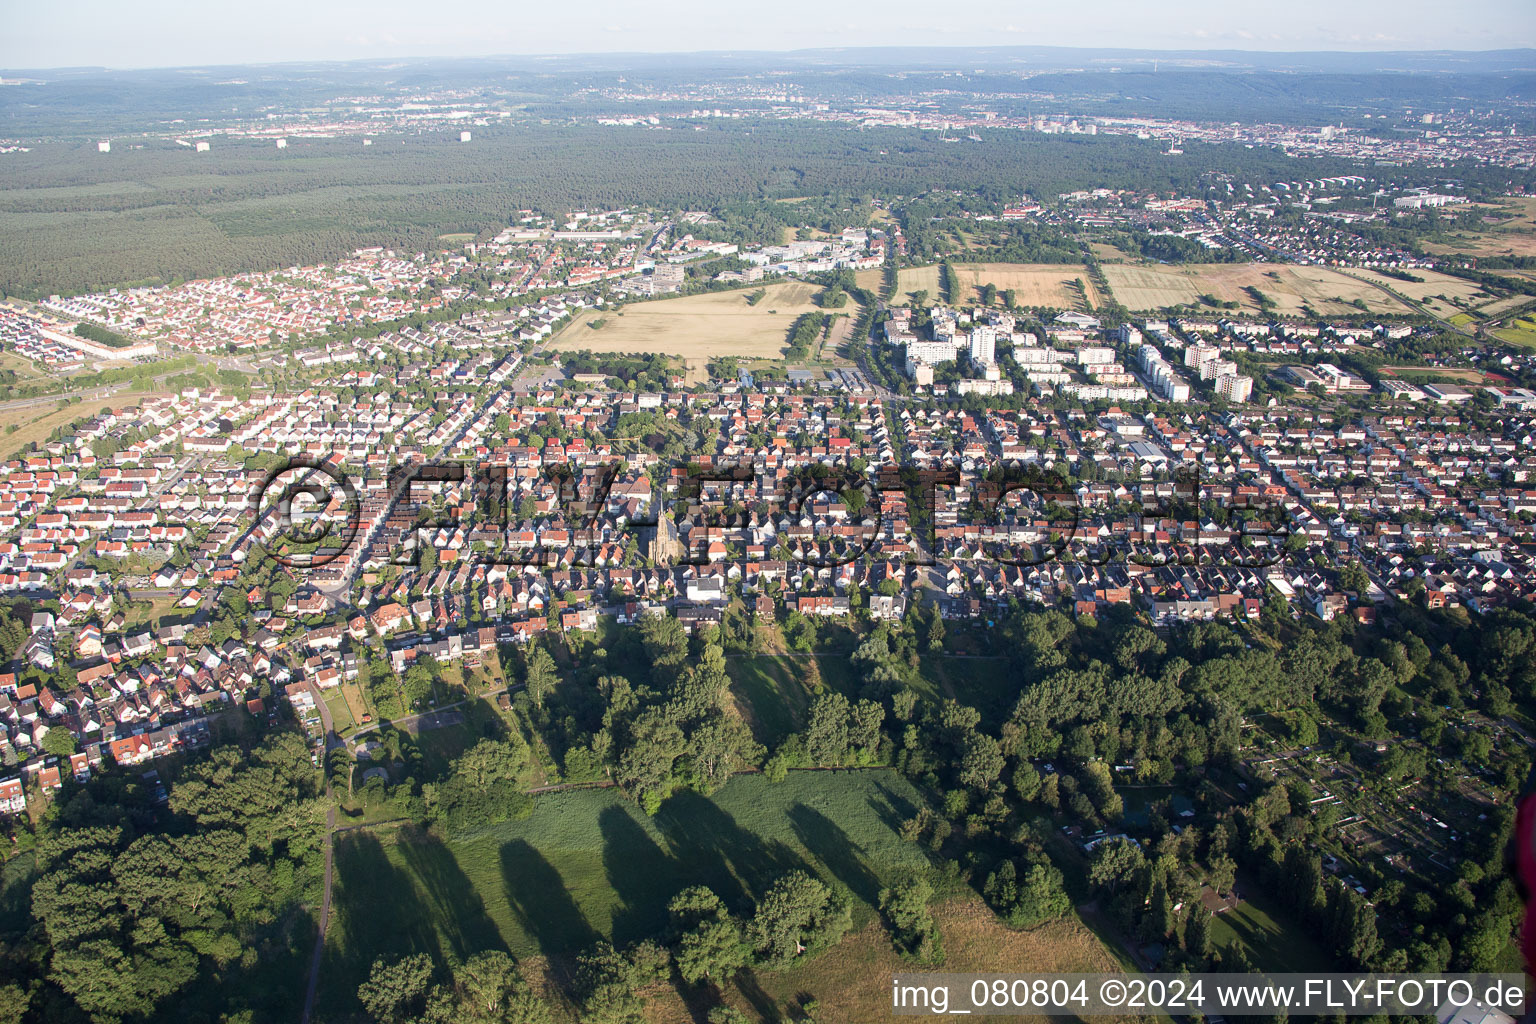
(105, 391)
(53, 399)
(1412, 303)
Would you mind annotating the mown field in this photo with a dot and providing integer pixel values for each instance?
(918, 279)
(1269, 936)
(1035, 284)
(1499, 306)
(37, 422)
(1329, 292)
(26, 370)
(588, 864)
(872, 280)
(697, 327)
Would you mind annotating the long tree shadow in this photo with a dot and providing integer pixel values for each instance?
(539, 900)
(765, 1005)
(457, 907)
(715, 851)
(640, 873)
(829, 844)
(892, 807)
(377, 911)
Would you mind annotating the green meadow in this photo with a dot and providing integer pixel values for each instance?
(589, 865)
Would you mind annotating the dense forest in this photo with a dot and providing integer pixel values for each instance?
(118, 906)
(74, 220)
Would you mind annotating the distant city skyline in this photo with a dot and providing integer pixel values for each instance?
(177, 33)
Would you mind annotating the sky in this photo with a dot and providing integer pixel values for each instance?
(179, 33)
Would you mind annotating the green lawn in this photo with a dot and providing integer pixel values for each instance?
(838, 673)
(1273, 942)
(1520, 332)
(588, 864)
(341, 713)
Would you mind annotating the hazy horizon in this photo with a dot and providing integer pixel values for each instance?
(158, 34)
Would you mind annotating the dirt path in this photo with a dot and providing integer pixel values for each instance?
(330, 831)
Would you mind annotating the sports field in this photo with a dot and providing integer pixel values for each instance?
(1431, 374)
(1034, 284)
(1329, 292)
(697, 327)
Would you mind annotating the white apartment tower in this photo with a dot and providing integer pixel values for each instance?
(1213, 368)
(1234, 387)
(1196, 356)
(983, 346)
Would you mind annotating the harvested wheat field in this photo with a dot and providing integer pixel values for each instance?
(870, 280)
(852, 981)
(1329, 292)
(918, 279)
(1428, 290)
(1034, 284)
(1499, 307)
(697, 327)
(1513, 236)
